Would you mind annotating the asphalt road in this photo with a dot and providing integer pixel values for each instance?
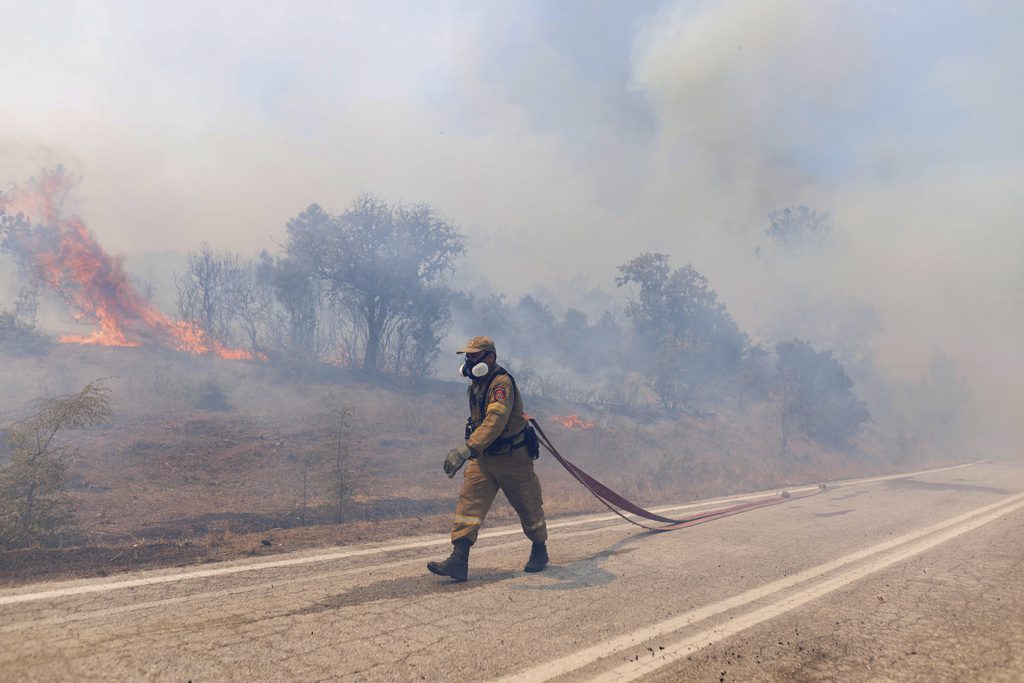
(918, 577)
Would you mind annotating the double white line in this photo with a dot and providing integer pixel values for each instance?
(850, 568)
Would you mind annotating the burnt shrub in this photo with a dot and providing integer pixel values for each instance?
(212, 397)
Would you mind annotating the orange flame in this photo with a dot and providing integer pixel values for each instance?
(340, 359)
(572, 422)
(64, 255)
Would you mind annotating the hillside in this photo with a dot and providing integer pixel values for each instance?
(211, 459)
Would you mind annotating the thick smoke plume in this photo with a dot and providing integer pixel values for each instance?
(569, 137)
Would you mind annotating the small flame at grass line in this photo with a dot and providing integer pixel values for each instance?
(572, 422)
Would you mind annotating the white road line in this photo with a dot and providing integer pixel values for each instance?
(800, 489)
(577, 660)
(634, 670)
(887, 477)
(202, 573)
(32, 622)
(363, 552)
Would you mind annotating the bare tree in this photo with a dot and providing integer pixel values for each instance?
(327, 471)
(343, 478)
(252, 299)
(207, 291)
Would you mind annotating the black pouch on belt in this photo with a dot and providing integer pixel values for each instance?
(532, 444)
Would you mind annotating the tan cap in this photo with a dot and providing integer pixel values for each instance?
(478, 344)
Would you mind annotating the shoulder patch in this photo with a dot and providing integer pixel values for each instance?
(500, 393)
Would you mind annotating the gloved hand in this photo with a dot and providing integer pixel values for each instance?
(457, 457)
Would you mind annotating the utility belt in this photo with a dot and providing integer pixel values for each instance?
(527, 437)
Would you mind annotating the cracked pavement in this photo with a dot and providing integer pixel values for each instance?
(950, 612)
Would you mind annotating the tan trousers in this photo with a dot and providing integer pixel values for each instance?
(514, 475)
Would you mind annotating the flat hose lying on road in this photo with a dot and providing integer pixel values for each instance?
(616, 503)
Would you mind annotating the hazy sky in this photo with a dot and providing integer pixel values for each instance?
(565, 138)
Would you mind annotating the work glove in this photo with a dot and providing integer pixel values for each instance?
(457, 457)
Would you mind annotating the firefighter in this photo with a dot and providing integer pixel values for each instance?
(500, 447)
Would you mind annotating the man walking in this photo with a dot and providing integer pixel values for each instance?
(500, 447)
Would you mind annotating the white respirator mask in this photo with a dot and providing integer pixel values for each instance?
(478, 370)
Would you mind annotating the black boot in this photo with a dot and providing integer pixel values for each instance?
(538, 558)
(457, 564)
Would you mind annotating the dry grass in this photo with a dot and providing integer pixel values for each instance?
(169, 483)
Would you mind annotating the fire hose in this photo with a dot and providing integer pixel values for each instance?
(619, 505)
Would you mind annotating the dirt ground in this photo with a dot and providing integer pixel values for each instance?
(171, 482)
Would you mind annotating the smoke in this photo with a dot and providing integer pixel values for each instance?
(61, 253)
(868, 113)
(566, 138)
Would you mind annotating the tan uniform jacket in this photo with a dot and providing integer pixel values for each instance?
(502, 416)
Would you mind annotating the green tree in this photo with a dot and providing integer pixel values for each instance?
(383, 265)
(33, 504)
(18, 332)
(816, 395)
(800, 229)
(686, 336)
